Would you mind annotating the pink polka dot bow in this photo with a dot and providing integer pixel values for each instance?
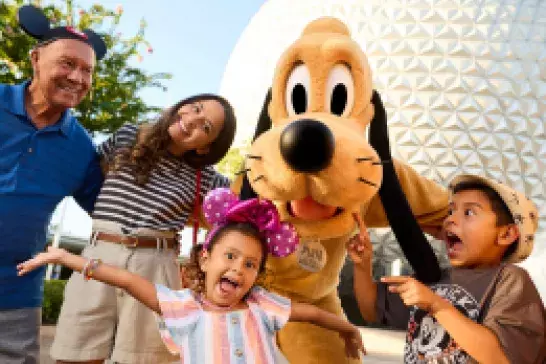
(221, 206)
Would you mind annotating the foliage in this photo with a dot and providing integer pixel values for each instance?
(233, 162)
(53, 300)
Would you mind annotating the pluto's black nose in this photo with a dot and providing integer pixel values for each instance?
(307, 145)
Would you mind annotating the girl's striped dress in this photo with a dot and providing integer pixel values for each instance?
(218, 337)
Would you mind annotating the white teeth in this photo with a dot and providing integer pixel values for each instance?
(235, 283)
(69, 89)
(183, 127)
(451, 235)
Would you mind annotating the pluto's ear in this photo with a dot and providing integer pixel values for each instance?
(264, 121)
(264, 124)
(413, 242)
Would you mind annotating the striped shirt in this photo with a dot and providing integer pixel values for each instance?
(164, 203)
(213, 337)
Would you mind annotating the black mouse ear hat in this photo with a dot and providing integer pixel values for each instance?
(34, 22)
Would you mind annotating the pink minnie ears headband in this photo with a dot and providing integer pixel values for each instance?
(221, 206)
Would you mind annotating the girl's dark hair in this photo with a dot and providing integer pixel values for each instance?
(153, 140)
(192, 269)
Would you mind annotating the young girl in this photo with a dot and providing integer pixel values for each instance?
(155, 173)
(225, 318)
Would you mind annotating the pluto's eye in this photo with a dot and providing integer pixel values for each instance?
(340, 90)
(297, 91)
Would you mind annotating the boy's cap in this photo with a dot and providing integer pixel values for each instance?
(523, 211)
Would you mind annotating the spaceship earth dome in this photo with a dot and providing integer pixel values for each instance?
(463, 82)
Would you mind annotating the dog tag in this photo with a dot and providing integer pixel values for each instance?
(311, 255)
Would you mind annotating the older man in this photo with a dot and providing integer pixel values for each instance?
(45, 155)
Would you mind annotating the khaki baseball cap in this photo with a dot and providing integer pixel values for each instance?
(524, 212)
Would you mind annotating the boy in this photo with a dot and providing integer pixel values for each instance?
(483, 309)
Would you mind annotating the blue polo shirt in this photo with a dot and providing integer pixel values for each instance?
(38, 168)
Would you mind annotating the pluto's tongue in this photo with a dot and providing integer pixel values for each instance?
(309, 209)
(226, 286)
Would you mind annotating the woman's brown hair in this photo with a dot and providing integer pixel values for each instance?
(153, 140)
(192, 269)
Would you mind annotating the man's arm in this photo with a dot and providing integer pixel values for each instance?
(86, 195)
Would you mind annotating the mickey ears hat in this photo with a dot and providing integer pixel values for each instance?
(34, 22)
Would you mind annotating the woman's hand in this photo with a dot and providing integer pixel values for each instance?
(353, 343)
(53, 255)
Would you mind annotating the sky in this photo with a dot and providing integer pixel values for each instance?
(192, 40)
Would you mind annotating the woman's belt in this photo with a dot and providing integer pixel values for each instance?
(138, 241)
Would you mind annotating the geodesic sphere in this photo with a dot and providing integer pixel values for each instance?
(463, 81)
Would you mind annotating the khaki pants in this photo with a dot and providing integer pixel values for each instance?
(98, 321)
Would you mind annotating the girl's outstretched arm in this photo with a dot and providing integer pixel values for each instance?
(349, 333)
(138, 287)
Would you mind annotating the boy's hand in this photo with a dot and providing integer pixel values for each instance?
(53, 255)
(414, 293)
(353, 343)
(359, 246)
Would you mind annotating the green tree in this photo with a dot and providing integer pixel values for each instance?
(233, 162)
(114, 98)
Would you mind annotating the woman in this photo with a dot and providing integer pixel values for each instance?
(155, 173)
